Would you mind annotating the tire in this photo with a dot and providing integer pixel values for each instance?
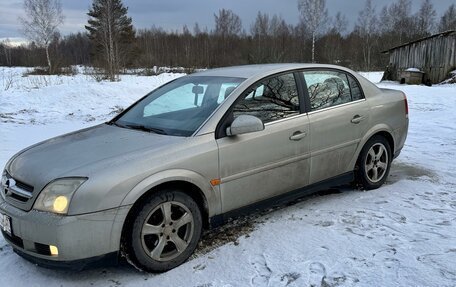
(165, 232)
(374, 162)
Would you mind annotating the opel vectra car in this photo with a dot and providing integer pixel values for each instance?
(193, 153)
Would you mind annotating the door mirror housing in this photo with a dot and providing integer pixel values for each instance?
(244, 124)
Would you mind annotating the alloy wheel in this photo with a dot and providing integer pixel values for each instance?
(376, 163)
(167, 231)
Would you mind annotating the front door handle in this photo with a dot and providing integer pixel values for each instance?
(297, 136)
(357, 119)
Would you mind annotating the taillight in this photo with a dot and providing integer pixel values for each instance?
(406, 106)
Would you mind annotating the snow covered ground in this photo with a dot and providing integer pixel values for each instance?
(403, 234)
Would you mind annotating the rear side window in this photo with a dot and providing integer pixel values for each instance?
(327, 89)
(271, 99)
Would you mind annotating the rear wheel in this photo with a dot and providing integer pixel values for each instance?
(166, 231)
(374, 163)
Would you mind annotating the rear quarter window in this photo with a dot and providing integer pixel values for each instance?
(356, 92)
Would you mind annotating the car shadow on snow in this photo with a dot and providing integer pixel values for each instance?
(401, 170)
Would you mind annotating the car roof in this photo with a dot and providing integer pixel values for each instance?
(248, 71)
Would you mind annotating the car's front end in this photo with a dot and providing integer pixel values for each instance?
(61, 200)
(54, 210)
(52, 237)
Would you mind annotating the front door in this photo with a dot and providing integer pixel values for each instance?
(261, 165)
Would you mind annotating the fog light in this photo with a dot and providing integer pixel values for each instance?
(60, 204)
(54, 250)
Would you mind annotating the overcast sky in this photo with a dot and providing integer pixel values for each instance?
(173, 14)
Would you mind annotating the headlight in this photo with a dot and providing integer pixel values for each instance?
(56, 196)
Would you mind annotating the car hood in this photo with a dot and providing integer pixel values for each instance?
(81, 152)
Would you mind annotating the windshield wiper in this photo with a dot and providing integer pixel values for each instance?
(146, 129)
(116, 124)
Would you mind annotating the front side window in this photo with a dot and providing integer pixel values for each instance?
(271, 99)
(327, 88)
(179, 107)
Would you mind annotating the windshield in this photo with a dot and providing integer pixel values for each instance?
(179, 107)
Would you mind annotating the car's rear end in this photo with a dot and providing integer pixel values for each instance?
(393, 111)
(388, 112)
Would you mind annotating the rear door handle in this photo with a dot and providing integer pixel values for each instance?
(357, 119)
(297, 136)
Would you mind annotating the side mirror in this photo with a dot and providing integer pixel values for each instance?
(245, 124)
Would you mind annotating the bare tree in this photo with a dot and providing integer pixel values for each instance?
(261, 26)
(278, 26)
(314, 15)
(400, 13)
(448, 20)
(41, 23)
(280, 32)
(228, 27)
(366, 26)
(6, 44)
(339, 24)
(260, 33)
(426, 18)
(333, 39)
(227, 23)
(196, 29)
(397, 24)
(385, 19)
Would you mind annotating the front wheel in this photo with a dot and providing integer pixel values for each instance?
(374, 163)
(166, 231)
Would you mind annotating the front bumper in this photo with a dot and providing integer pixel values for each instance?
(110, 259)
(77, 237)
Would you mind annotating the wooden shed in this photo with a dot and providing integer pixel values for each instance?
(434, 55)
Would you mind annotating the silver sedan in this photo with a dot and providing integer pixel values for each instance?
(192, 154)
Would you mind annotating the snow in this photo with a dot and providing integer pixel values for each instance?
(451, 78)
(413, 70)
(45, 99)
(403, 234)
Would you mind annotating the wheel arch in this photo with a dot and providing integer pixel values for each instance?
(187, 187)
(189, 182)
(383, 131)
(389, 137)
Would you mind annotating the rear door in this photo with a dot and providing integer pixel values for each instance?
(261, 165)
(338, 116)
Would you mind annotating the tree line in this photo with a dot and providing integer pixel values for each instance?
(111, 43)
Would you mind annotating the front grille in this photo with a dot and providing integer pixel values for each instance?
(20, 184)
(18, 197)
(24, 186)
(20, 191)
